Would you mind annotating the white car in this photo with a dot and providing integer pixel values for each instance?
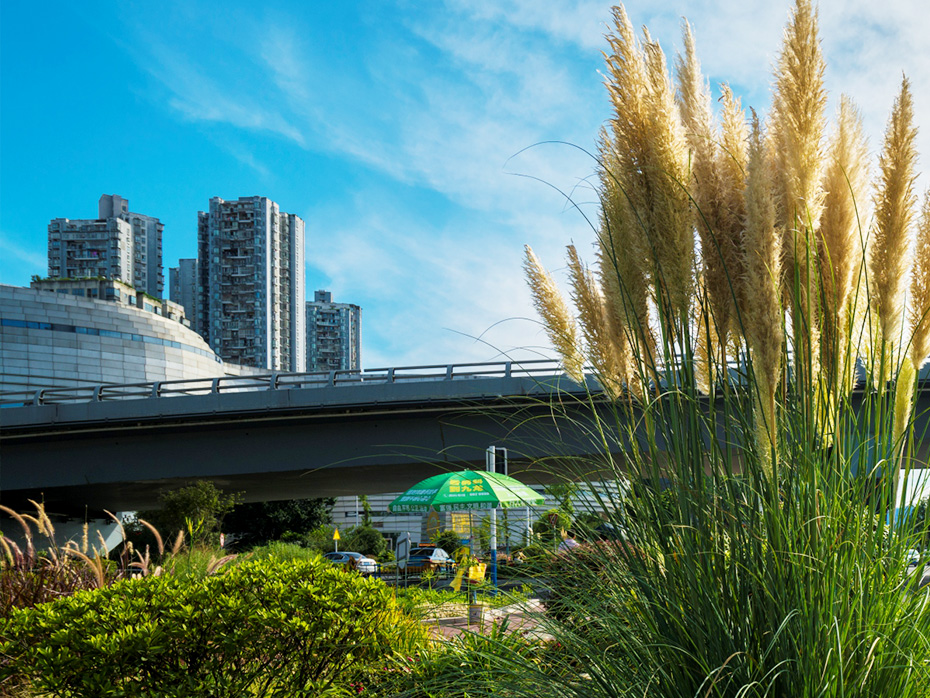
(356, 561)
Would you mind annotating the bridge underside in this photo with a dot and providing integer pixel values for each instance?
(320, 454)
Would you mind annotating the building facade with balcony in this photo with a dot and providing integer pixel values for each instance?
(334, 334)
(118, 244)
(251, 285)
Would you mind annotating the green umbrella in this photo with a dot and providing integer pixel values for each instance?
(463, 490)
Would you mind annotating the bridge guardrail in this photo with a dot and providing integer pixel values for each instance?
(106, 392)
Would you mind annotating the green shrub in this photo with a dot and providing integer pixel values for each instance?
(265, 627)
(550, 525)
(280, 550)
(366, 540)
(448, 540)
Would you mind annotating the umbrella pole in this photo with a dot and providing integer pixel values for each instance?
(494, 547)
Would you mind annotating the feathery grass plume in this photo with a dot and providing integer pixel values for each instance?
(905, 382)
(603, 351)
(178, 542)
(154, 531)
(704, 365)
(7, 552)
(706, 187)
(95, 564)
(45, 523)
(797, 127)
(666, 174)
(762, 314)
(651, 153)
(557, 319)
(842, 242)
(119, 524)
(890, 247)
(624, 272)
(732, 157)
(216, 563)
(919, 310)
(85, 528)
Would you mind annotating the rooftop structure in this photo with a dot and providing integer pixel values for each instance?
(118, 244)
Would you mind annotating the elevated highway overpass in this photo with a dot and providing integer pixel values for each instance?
(280, 436)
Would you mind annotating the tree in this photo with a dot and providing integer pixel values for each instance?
(255, 523)
(197, 509)
(448, 540)
(366, 510)
(366, 540)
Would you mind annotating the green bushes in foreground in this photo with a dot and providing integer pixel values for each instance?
(262, 628)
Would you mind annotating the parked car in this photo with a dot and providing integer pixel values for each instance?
(356, 561)
(428, 557)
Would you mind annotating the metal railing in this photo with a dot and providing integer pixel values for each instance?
(55, 395)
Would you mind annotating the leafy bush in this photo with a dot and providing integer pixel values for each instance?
(550, 525)
(197, 509)
(280, 550)
(366, 540)
(265, 627)
(448, 540)
(255, 523)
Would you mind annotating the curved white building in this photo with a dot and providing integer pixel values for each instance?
(60, 339)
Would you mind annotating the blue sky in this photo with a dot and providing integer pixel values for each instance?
(398, 131)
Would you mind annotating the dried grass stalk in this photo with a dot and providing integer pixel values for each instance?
(797, 127)
(603, 352)
(557, 319)
(762, 314)
(919, 311)
(841, 242)
(651, 156)
(894, 213)
(706, 188)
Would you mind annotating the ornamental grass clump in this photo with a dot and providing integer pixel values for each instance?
(761, 412)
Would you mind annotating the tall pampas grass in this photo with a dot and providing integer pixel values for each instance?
(737, 579)
(650, 150)
(919, 311)
(890, 258)
(762, 311)
(604, 348)
(557, 319)
(712, 188)
(842, 243)
(797, 127)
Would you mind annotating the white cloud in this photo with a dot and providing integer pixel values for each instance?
(37, 260)
(450, 96)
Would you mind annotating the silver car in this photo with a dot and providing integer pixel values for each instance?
(356, 561)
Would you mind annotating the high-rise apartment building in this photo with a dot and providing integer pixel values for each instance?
(334, 334)
(118, 244)
(251, 285)
(182, 285)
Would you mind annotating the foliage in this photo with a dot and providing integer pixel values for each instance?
(366, 540)
(548, 527)
(265, 627)
(255, 523)
(564, 494)
(734, 301)
(366, 510)
(321, 538)
(471, 665)
(448, 540)
(197, 509)
(425, 602)
(280, 550)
